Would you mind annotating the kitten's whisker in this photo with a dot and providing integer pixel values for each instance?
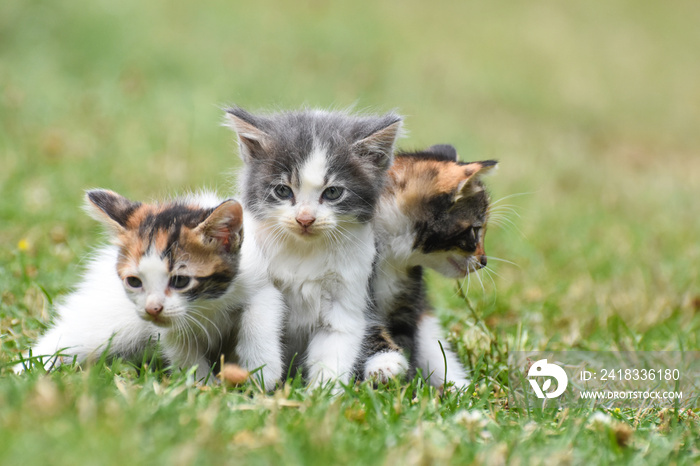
(499, 219)
(497, 216)
(495, 212)
(508, 224)
(347, 234)
(502, 219)
(191, 318)
(183, 339)
(191, 338)
(343, 239)
(504, 208)
(200, 313)
(510, 196)
(498, 259)
(490, 271)
(495, 288)
(509, 221)
(478, 276)
(187, 342)
(468, 278)
(274, 233)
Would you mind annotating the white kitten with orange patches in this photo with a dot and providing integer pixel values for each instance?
(175, 274)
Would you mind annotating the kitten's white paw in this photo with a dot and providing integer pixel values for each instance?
(385, 366)
(271, 376)
(320, 378)
(262, 372)
(334, 387)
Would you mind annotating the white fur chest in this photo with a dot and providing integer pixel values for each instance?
(312, 275)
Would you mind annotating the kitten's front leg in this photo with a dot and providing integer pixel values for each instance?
(335, 346)
(203, 372)
(183, 356)
(259, 337)
(433, 352)
(84, 337)
(383, 359)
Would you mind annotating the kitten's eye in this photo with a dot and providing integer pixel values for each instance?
(469, 239)
(179, 281)
(332, 193)
(134, 282)
(283, 191)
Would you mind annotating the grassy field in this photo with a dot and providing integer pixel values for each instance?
(592, 108)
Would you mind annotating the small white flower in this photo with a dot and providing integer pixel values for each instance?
(470, 419)
(599, 420)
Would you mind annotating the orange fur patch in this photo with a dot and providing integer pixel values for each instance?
(199, 258)
(418, 180)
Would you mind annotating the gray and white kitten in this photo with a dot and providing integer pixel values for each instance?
(311, 183)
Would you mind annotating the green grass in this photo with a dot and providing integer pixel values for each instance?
(591, 107)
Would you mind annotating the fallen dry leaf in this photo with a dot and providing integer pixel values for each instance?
(233, 374)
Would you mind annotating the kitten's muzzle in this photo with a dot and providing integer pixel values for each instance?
(483, 261)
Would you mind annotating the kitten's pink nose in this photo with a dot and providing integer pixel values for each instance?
(305, 220)
(154, 309)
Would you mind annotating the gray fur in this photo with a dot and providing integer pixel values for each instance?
(359, 151)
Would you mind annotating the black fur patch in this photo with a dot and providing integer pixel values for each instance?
(409, 304)
(118, 208)
(444, 149)
(443, 226)
(399, 330)
(442, 153)
(211, 287)
(172, 219)
(378, 340)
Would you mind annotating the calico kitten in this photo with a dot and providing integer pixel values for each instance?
(171, 275)
(311, 182)
(433, 213)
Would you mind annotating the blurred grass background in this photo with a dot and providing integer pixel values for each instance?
(592, 108)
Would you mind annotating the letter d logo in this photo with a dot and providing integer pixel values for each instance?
(542, 369)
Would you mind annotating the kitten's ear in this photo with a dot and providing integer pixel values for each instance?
(251, 139)
(378, 145)
(110, 208)
(446, 150)
(472, 171)
(223, 227)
